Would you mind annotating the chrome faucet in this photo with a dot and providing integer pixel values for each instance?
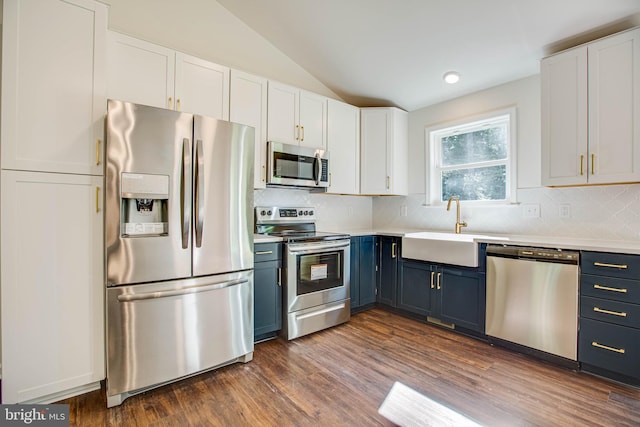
(459, 224)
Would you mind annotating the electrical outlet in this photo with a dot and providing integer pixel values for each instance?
(531, 210)
(403, 210)
(564, 210)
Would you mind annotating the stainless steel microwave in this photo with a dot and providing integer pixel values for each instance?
(296, 166)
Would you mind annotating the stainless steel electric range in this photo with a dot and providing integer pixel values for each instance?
(316, 270)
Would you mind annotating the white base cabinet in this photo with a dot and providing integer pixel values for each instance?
(384, 151)
(53, 85)
(590, 111)
(52, 285)
(148, 74)
(343, 143)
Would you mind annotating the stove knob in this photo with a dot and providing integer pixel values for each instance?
(300, 213)
(269, 212)
(306, 212)
(311, 213)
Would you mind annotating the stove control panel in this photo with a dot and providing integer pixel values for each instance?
(291, 214)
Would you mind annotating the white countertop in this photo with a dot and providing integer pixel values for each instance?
(570, 243)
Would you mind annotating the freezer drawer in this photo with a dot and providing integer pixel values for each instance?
(161, 332)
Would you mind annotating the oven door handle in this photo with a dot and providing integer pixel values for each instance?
(320, 247)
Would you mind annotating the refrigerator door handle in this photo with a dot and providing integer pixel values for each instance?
(185, 192)
(199, 182)
(177, 292)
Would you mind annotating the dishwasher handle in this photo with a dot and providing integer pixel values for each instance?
(534, 254)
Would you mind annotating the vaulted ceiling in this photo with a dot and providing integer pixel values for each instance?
(395, 52)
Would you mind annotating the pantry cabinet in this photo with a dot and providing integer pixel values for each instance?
(52, 285)
(149, 74)
(343, 143)
(384, 151)
(590, 105)
(53, 85)
(248, 105)
(296, 116)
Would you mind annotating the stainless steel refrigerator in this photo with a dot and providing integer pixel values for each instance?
(179, 246)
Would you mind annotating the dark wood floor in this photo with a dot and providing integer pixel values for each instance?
(340, 377)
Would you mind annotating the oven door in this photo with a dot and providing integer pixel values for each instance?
(316, 273)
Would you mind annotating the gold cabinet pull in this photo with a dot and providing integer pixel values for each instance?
(97, 199)
(388, 182)
(178, 104)
(432, 283)
(279, 276)
(606, 347)
(606, 288)
(264, 173)
(302, 137)
(604, 264)
(581, 164)
(593, 164)
(438, 280)
(297, 133)
(170, 103)
(264, 252)
(613, 313)
(393, 250)
(97, 152)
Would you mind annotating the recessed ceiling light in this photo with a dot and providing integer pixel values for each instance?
(451, 77)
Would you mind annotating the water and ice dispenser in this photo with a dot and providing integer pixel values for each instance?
(144, 204)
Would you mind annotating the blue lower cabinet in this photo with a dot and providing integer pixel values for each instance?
(453, 295)
(267, 291)
(389, 256)
(363, 272)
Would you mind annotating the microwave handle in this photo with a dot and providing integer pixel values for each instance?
(318, 168)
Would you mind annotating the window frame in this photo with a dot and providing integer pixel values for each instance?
(433, 187)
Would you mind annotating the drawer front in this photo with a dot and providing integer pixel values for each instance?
(613, 265)
(616, 312)
(612, 288)
(267, 252)
(611, 347)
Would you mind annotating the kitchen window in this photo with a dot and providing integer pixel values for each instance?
(472, 159)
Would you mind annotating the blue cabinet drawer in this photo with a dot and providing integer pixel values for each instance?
(267, 252)
(613, 265)
(620, 313)
(611, 347)
(612, 288)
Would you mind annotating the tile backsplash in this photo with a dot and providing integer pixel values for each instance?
(609, 212)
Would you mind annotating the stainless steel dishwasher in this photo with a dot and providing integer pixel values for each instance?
(532, 298)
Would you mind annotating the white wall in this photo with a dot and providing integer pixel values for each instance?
(205, 29)
(601, 212)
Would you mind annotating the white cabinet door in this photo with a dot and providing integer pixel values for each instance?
(343, 143)
(296, 116)
(384, 151)
(201, 87)
(53, 85)
(282, 113)
(313, 120)
(590, 111)
(52, 285)
(140, 72)
(248, 105)
(614, 109)
(564, 118)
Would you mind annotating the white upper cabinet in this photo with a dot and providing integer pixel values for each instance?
(145, 73)
(248, 105)
(343, 143)
(296, 116)
(53, 85)
(384, 151)
(590, 102)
